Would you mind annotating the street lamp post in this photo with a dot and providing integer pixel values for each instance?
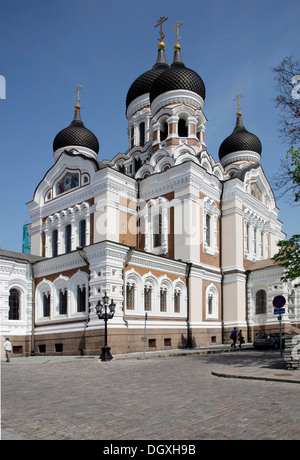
(105, 312)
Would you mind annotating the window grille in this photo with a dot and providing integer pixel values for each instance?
(14, 304)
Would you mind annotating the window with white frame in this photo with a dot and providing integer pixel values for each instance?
(63, 301)
(148, 297)
(14, 302)
(163, 298)
(212, 302)
(261, 302)
(66, 230)
(292, 302)
(130, 297)
(156, 224)
(210, 227)
(81, 298)
(177, 301)
(46, 304)
(164, 130)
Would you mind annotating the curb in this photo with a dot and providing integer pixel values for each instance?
(249, 377)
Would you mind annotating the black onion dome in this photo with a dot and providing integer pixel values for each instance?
(240, 139)
(178, 76)
(76, 134)
(143, 83)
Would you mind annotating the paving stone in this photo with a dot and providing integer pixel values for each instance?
(175, 398)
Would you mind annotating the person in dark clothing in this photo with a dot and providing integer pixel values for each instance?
(241, 338)
(233, 337)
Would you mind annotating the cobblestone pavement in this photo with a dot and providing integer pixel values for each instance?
(174, 398)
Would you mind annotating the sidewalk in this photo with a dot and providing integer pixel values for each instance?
(247, 363)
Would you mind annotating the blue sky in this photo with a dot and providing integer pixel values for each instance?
(48, 47)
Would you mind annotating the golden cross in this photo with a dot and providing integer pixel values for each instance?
(238, 98)
(79, 87)
(160, 23)
(177, 25)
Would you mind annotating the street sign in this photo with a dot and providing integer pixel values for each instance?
(279, 311)
(279, 301)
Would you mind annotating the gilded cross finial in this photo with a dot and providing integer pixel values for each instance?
(238, 98)
(79, 87)
(160, 22)
(176, 27)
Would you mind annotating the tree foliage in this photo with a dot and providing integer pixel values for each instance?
(288, 99)
(289, 258)
(287, 181)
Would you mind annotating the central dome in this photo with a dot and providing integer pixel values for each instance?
(143, 83)
(178, 76)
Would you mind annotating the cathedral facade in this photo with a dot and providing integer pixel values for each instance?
(171, 235)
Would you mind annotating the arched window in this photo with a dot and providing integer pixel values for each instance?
(157, 230)
(81, 298)
(142, 133)
(130, 297)
(54, 243)
(68, 234)
(163, 299)
(132, 137)
(148, 298)
(248, 237)
(177, 300)
(261, 302)
(212, 302)
(82, 230)
(292, 302)
(182, 128)
(164, 131)
(46, 304)
(208, 229)
(14, 304)
(63, 301)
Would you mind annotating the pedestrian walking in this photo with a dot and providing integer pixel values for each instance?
(7, 348)
(241, 338)
(233, 337)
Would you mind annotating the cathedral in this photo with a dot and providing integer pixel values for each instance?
(179, 242)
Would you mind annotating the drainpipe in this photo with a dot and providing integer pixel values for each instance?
(249, 328)
(221, 267)
(32, 344)
(126, 262)
(138, 211)
(85, 259)
(189, 336)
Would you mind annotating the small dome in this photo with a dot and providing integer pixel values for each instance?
(143, 83)
(240, 139)
(76, 134)
(178, 76)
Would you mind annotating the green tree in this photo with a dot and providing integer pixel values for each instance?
(287, 75)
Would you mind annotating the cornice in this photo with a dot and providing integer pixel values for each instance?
(180, 177)
(177, 96)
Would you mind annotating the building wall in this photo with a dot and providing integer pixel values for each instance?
(16, 275)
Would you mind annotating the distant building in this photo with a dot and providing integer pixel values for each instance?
(164, 229)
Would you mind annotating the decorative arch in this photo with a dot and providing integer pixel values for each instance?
(133, 283)
(79, 294)
(44, 300)
(61, 295)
